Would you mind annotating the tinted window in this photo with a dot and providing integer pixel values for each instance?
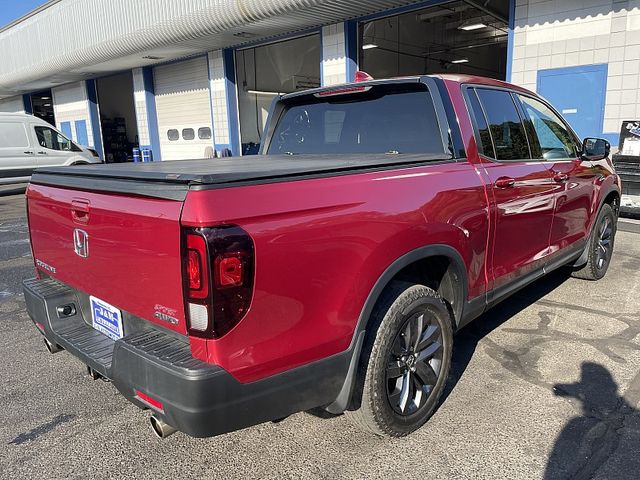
(173, 135)
(204, 133)
(52, 139)
(13, 134)
(555, 139)
(381, 120)
(485, 147)
(188, 134)
(507, 131)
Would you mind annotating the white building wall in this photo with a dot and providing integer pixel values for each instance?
(334, 57)
(140, 103)
(569, 33)
(71, 104)
(12, 105)
(218, 99)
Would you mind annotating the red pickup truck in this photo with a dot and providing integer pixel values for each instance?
(328, 273)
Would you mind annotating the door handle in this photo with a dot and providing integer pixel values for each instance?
(80, 210)
(28, 152)
(41, 152)
(560, 177)
(505, 182)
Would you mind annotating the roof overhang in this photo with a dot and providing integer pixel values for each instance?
(69, 40)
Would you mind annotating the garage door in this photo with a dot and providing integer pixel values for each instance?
(184, 110)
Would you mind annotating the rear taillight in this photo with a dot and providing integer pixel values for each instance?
(218, 271)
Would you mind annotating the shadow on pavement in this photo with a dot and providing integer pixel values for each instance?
(589, 440)
(468, 338)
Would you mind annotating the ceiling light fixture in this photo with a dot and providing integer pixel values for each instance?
(263, 92)
(460, 60)
(471, 26)
(368, 46)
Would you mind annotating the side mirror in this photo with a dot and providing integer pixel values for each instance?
(595, 149)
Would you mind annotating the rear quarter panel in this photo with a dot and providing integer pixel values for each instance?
(321, 244)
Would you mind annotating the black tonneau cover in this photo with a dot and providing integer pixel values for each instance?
(172, 179)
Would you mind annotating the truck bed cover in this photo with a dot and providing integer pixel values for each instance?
(172, 179)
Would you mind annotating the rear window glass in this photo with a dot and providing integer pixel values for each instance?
(381, 120)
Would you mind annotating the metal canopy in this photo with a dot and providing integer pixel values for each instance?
(69, 40)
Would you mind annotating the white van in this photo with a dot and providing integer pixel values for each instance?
(27, 142)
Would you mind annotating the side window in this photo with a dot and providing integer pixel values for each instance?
(556, 142)
(507, 132)
(51, 139)
(13, 135)
(485, 147)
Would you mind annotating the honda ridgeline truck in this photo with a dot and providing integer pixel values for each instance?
(327, 274)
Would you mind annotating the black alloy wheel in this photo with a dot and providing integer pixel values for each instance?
(405, 360)
(415, 363)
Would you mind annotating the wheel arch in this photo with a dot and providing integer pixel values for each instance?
(454, 278)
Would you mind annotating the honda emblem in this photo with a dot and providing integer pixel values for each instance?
(81, 243)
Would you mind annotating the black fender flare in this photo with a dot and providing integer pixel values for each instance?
(344, 397)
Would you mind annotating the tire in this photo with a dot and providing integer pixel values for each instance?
(600, 246)
(402, 377)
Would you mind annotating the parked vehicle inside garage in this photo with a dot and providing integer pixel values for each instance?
(27, 142)
(330, 272)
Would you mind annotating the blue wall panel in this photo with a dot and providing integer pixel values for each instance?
(92, 96)
(65, 127)
(152, 114)
(81, 132)
(578, 93)
(228, 57)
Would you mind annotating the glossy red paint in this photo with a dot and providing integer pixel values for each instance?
(321, 244)
(552, 207)
(318, 257)
(134, 249)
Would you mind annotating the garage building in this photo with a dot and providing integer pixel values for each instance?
(196, 79)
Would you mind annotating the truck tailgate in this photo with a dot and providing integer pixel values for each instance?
(128, 253)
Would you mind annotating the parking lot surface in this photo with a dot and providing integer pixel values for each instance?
(546, 385)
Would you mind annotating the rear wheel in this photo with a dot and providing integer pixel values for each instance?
(406, 362)
(600, 246)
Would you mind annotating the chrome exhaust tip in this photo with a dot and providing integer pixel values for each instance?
(161, 428)
(52, 347)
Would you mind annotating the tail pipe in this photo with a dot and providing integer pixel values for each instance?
(52, 347)
(161, 428)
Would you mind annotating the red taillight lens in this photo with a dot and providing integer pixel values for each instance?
(194, 269)
(197, 273)
(229, 271)
(226, 256)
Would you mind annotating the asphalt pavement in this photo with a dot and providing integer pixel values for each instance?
(546, 385)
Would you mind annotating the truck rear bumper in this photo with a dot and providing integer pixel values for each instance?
(197, 398)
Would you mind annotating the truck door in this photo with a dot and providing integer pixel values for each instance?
(522, 189)
(573, 176)
(52, 148)
(16, 153)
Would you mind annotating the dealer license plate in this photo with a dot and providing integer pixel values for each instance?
(106, 318)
